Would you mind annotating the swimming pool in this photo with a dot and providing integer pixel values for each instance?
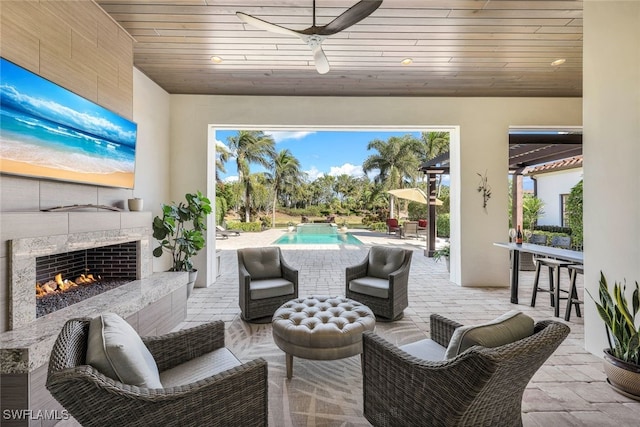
(317, 239)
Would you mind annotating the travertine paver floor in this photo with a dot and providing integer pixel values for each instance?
(569, 390)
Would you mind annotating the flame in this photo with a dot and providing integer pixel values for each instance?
(58, 284)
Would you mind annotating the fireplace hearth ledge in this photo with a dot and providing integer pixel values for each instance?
(27, 348)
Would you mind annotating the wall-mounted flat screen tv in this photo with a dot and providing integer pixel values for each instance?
(47, 131)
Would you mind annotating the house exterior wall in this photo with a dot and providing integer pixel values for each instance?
(550, 186)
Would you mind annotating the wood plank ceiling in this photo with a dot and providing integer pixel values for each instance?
(458, 47)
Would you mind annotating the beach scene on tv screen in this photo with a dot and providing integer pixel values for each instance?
(47, 131)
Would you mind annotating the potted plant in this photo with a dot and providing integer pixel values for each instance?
(290, 227)
(180, 231)
(622, 358)
(443, 252)
(343, 226)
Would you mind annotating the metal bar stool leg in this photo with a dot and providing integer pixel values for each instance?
(573, 292)
(535, 284)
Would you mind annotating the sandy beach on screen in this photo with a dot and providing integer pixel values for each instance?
(118, 179)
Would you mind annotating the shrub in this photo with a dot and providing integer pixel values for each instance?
(442, 225)
(574, 213)
(378, 226)
(245, 226)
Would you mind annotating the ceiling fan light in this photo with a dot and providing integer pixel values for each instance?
(216, 59)
(557, 62)
(406, 61)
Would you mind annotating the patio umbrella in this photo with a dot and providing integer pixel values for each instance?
(415, 195)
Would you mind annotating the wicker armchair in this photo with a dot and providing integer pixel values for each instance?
(236, 396)
(479, 387)
(266, 282)
(380, 281)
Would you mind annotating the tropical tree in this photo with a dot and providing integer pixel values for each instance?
(396, 161)
(222, 157)
(250, 147)
(435, 143)
(532, 209)
(286, 172)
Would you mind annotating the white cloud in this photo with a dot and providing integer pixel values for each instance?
(280, 136)
(314, 173)
(230, 179)
(346, 169)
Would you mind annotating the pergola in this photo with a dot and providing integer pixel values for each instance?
(527, 147)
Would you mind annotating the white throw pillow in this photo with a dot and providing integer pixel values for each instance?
(510, 327)
(115, 349)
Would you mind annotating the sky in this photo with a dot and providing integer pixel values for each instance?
(320, 153)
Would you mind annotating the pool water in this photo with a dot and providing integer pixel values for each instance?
(318, 239)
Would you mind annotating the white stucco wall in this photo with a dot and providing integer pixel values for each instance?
(483, 122)
(151, 113)
(549, 187)
(611, 151)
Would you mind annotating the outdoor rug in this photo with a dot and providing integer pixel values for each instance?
(321, 392)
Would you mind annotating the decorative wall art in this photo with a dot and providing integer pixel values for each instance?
(47, 131)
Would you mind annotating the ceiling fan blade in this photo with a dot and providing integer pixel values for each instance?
(320, 59)
(354, 14)
(264, 25)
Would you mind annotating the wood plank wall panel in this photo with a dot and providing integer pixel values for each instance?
(74, 44)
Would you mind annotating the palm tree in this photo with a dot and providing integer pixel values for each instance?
(222, 157)
(396, 162)
(250, 147)
(435, 143)
(286, 172)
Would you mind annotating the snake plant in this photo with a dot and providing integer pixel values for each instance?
(620, 321)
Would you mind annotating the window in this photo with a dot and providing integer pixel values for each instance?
(564, 217)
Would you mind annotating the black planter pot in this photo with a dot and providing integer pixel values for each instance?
(622, 376)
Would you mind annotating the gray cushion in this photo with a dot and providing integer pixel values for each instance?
(199, 368)
(269, 288)
(372, 286)
(384, 261)
(426, 349)
(115, 349)
(510, 327)
(262, 263)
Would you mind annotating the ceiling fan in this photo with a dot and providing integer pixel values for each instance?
(315, 35)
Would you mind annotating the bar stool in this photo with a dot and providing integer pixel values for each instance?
(573, 299)
(554, 266)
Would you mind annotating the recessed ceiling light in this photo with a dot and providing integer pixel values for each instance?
(407, 61)
(558, 62)
(216, 59)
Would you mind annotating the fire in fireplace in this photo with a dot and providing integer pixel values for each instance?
(58, 284)
(79, 275)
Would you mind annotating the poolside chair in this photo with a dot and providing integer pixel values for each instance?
(230, 232)
(462, 376)
(392, 225)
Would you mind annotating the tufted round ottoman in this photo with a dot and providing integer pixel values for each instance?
(321, 328)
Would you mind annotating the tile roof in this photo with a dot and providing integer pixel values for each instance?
(568, 163)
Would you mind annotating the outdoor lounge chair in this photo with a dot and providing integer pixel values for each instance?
(201, 383)
(231, 232)
(462, 376)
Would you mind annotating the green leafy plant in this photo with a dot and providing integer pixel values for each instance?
(443, 252)
(180, 230)
(620, 322)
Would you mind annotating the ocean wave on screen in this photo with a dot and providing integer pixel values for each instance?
(64, 159)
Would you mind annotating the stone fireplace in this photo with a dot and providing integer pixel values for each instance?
(72, 254)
